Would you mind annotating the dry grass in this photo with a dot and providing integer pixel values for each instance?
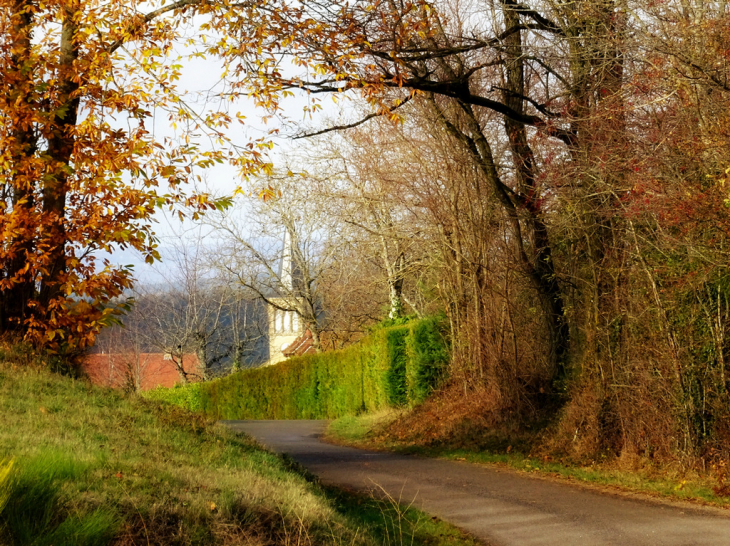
(447, 419)
(452, 426)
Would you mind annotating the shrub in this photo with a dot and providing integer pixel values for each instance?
(185, 396)
(430, 355)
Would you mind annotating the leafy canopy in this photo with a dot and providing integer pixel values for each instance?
(82, 164)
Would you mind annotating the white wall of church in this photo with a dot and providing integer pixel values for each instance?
(284, 328)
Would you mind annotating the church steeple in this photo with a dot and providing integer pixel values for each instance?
(285, 325)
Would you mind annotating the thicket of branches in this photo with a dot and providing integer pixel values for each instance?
(563, 167)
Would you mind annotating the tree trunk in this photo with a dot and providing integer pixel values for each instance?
(60, 149)
(18, 286)
(395, 287)
(201, 351)
(524, 160)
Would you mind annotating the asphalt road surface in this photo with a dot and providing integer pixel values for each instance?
(502, 508)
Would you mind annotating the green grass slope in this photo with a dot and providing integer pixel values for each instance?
(80, 465)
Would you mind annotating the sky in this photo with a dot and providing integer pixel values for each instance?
(200, 78)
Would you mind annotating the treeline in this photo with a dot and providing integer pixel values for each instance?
(559, 184)
(395, 366)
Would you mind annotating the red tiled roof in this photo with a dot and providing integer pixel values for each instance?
(151, 370)
(302, 345)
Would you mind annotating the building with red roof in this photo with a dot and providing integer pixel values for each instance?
(303, 345)
(140, 371)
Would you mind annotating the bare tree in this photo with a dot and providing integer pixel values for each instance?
(189, 310)
(360, 175)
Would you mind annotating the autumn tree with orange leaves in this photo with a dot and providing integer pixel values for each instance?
(81, 170)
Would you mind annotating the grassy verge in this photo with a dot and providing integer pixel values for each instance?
(363, 430)
(367, 431)
(82, 466)
(389, 522)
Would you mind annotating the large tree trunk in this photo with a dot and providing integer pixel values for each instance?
(60, 149)
(46, 230)
(543, 266)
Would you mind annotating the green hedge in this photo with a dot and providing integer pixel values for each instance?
(428, 357)
(393, 366)
(396, 382)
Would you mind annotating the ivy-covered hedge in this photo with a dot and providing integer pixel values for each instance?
(396, 365)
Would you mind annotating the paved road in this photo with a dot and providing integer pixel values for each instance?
(501, 507)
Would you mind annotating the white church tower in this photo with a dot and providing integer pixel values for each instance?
(285, 327)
